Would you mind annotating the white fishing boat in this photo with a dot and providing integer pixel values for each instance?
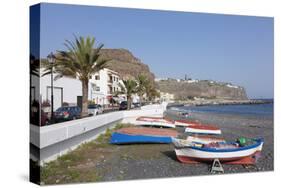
(155, 121)
(203, 129)
(228, 152)
(204, 139)
(185, 123)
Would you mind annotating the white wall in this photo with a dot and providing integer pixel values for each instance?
(47, 143)
(99, 96)
(35, 90)
(103, 83)
(71, 89)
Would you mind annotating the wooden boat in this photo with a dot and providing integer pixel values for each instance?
(197, 139)
(142, 135)
(185, 123)
(203, 129)
(204, 139)
(228, 153)
(155, 121)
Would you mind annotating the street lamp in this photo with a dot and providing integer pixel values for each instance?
(51, 60)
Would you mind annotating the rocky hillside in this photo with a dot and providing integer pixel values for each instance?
(188, 89)
(124, 62)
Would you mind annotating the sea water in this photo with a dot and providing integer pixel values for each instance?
(245, 109)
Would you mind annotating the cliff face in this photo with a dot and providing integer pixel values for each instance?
(128, 66)
(206, 89)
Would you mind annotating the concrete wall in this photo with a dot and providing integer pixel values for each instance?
(47, 143)
(71, 89)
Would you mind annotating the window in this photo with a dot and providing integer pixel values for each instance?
(97, 77)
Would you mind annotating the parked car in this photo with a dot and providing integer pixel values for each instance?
(137, 105)
(95, 109)
(67, 113)
(123, 105)
(44, 118)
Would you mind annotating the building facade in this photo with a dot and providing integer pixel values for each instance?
(166, 97)
(102, 87)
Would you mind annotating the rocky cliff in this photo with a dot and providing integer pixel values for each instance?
(126, 64)
(188, 89)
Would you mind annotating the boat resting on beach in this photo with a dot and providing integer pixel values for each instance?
(133, 135)
(228, 152)
(197, 139)
(204, 139)
(155, 122)
(185, 123)
(203, 129)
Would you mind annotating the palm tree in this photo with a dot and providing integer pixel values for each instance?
(34, 65)
(129, 87)
(142, 84)
(81, 61)
(152, 92)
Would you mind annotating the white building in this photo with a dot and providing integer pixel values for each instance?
(102, 86)
(166, 97)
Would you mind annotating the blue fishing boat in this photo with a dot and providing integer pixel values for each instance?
(142, 135)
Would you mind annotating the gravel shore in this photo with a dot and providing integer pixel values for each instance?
(159, 161)
(106, 162)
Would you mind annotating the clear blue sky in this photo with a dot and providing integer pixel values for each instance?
(237, 49)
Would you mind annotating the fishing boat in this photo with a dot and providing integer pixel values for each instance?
(155, 121)
(203, 129)
(196, 139)
(133, 135)
(204, 139)
(185, 123)
(228, 152)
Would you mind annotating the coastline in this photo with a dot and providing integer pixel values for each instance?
(206, 102)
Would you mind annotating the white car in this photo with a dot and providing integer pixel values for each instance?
(95, 109)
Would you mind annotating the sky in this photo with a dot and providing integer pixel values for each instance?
(226, 48)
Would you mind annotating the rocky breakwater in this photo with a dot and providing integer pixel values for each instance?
(224, 102)
(204, 102)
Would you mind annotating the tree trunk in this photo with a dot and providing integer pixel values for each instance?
(85, 87)
(129, 102)
(140, 96)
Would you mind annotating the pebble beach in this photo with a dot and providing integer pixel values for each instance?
(107, 162)
(159, 161)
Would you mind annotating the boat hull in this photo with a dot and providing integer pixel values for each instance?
(203, 129)
(247, 160)
(242, 155)
(121, 138)
(155, 122)
(183, 123)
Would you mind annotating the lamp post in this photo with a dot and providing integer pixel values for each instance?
(51, 60)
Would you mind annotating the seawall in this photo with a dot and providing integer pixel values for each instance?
(48, 143)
